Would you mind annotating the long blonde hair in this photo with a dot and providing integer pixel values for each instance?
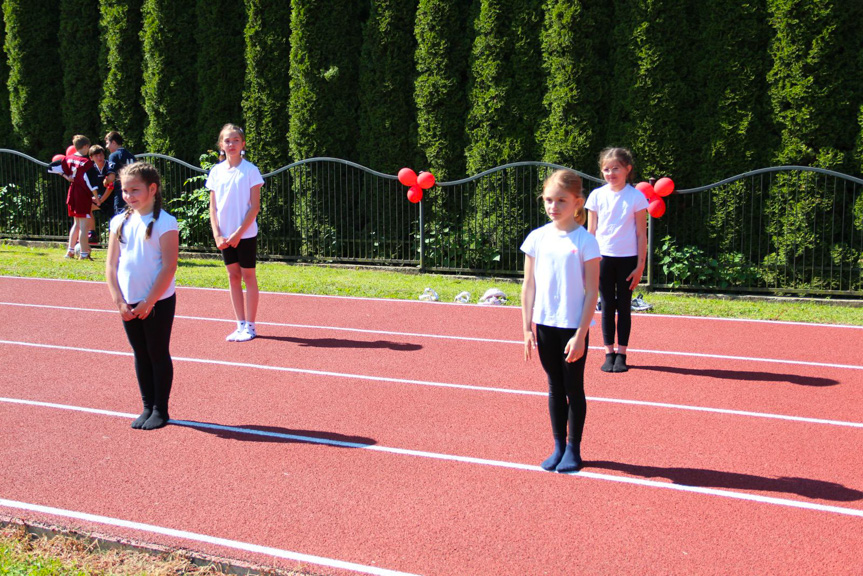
(227, 128)
(571, 182)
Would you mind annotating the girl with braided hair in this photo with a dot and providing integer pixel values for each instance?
(140, 267)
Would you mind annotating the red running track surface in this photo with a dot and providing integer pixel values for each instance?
(433, 426)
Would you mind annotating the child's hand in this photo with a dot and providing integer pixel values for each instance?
(635, 277)
(126, 312)
(529, 344)
(233, 240)
(574, 349)
(142, 310)
(221, 242)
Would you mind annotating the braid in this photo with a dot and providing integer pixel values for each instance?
(126, 215)
(157, 208)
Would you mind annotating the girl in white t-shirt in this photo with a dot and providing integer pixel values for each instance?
(617, 217)
(140, 267)
(235, 200)
(561, 284)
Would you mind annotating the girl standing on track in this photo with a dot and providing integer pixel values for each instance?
(141, 262)
(561, 283)
(616, 216)
(235, 200)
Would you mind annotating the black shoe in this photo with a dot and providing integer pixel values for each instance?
(620, 364)
(608, 365)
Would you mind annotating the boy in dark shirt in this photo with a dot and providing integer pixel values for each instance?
(119, 157)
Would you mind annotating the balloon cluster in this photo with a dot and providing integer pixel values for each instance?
(416, 183)
(655, 194)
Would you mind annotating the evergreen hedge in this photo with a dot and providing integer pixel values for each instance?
(121, 105)
(35, 77)
(80, 51)
(220, 67)
(170, 80)
(443, 37)
(387, 118)
(266, 90)
(7, 139)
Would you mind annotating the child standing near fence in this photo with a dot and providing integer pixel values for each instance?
(235, 200)
(140, 267)
(561, 284)
(78, 170)
(617, 217)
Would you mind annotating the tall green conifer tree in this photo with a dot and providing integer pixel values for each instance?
(572, 52)
(31, 31)
(444, 36)
(387, 125)
(507, 84)
(80, 51)
(7, 139)
(121, 105)
(266, 93)
(170, 79)
(652, 104)
(221, 67)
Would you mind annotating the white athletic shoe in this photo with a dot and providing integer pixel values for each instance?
(233, 336)
(639, 305)
(247, 334)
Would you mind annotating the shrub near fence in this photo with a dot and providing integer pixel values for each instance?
(793, 230)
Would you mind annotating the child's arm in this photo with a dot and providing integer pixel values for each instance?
(591, 222)
(169, 243)
(221, 241)
(574, 349)
(528, 296)
(641, 234)
(111, 262)
(254, 209)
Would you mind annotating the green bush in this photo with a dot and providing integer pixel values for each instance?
(266, 94)
(31, 28)
(79, 45)
(192, 207)
(121, 106)
(7, 137)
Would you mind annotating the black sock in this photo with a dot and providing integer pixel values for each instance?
(620, 363)
(571, 460)
(139, 421)
(608, 365)
(157, 419)
(552, 461)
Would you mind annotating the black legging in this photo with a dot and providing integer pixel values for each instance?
(566, 401)
(151, 340)
(615, 295)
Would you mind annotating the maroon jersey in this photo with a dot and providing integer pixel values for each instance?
(79, 198)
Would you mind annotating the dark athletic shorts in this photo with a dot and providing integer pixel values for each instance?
(244, 253)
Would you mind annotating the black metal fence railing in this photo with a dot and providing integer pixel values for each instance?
(790, 229)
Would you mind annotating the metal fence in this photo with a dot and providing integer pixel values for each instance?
(794, 230)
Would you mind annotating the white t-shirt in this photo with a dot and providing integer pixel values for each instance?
(141, 257)
(559, 259)
(233, 188)
(615, 219)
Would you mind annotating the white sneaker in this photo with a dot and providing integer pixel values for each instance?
(232, 337)
(248, 333)
(639, 305)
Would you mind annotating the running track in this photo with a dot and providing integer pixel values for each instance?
(384, 437)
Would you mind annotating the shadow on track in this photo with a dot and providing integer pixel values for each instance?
(814, 489)
(341, 343)
(255, 433)
(745, 375)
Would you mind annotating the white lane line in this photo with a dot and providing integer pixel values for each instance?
(479, 461)
(460, 338)
(514, 309)
(195, 537)
(373, 378)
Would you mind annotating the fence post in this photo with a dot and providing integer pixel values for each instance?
(650, 244)
(422, 237)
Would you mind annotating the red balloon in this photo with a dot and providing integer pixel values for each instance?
(57, 157)
(407, 177)
(70, 150)
(425, 180)
(646, 189)
(415, 193)
(664, 186)
(656, 207)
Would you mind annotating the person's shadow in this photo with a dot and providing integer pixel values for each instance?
(256, 433)
(745, 375)
(343, 343)
(814, 489)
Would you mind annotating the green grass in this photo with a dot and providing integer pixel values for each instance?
(48, 262)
